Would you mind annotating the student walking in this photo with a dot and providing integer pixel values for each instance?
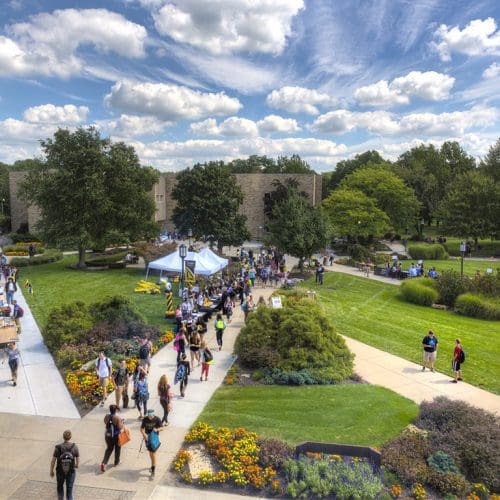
(458, 359)
(194, 347)
(12, 353)
(17, 314)
(220, 326)
(10, 290)
(150, 427)
(113, 426)
(121, 378)
(141, 391)
(207, 359)
(430, 343)
(67, 458)
(103, 370)
(166, 396)
(182, 374)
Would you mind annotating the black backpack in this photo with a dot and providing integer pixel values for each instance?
(461, 357)
(67, 460)
(144, 351)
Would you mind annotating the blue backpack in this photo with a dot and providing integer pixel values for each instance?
(180, 373)
(153, 441)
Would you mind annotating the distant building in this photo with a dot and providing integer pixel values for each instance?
(254, 187)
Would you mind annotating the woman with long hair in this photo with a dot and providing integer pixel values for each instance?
(165, 394)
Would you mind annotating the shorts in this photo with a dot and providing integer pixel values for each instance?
(430, 356)
(145, 362)
(103, 381)
(455, 365)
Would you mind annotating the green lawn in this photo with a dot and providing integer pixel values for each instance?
(359, 414)
(56, 284)
(470, 265)
(373, 313)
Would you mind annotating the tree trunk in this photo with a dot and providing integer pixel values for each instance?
(301, 264)
(81, 257)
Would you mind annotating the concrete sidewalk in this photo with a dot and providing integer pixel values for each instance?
(40, 388)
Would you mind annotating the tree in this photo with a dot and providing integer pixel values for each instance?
(293, 165)
(491, 163)
(281, 192)
(208, 199)
(389, 192)
(90, 191)
(346, 167)
(352, 213)
(296, 228)
(471, 207)
(254, 164)
(263, 165)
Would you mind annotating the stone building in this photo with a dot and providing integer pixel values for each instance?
(254, 187)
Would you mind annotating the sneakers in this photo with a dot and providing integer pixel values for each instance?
(116, 465)
(201, 379)
(103, 468)
(423, 368)
(454, 381)
(460, 378)
(432, 369)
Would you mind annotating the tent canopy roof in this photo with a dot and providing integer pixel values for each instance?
(173, 263)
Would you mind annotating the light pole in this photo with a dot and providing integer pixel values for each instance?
(182, 255)
(422, 222)
(2, 201)
(190, 234)
(463, 248)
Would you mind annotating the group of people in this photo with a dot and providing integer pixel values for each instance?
(430, 346)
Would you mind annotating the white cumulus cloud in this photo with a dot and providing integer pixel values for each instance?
(169, 102)
(68, 114)
(342, 121)
(132, 126)
(298, 100)
(428, 85)
(492, 71)
(275, 123)
(48, 42)
(478, 38)
(228, 26)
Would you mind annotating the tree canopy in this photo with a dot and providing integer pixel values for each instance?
(262, 164)
(491, 163)
(208, 199)
(390, 193)
(90, 191)
(295, 227)
(352, 213)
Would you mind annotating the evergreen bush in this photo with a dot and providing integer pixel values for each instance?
(49, 256)
(298, 338)
(476, 306)
(416, 292)
(427, 251)
(450, 285)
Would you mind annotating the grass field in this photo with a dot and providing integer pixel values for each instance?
(352, 414)
(373, 313)
(470, 265)
(56, 284)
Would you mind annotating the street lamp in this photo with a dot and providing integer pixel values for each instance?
(2, 201)
(463, 248)
(182, 255)
(190, 234)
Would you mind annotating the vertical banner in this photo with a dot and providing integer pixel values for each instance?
(189, 270)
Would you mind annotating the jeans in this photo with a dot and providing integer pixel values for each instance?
(10, 297)
(112, 444)
(184, 383)
(70, 481)
(164, 405)
(143, 403)
(218, 334)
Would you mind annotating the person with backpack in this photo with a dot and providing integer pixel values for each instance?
(145, 353)
(17, 314)
(180, 343)
(13, 357)
(458, 359)
(166, 397)
(121, 378)
(67, 458)
(113, 426)
(207, 358)
(103, 369)
(150, 429)
(141, 391)
(182, 374)
(194, 347)
(228, 308)
(220, 326)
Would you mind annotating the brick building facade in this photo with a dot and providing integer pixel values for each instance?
(254, 187)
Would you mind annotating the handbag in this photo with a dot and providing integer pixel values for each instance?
(124, 436)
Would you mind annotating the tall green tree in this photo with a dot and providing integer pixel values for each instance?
(208, 200)
(352, 213)
(471, 207)
(4, 197)
(296, 227)
(280, 193)
(90, 191)
(389, 192)
(491, 163)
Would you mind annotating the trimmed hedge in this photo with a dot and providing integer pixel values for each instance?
(23, 238)
(418, 293)
(22, 248)
(427, 251)
(50, 255)
(104, 260)
(477, 306)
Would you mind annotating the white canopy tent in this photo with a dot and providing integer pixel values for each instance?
(173, 263)
(213, 257)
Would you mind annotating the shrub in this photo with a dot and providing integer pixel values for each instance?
(360, 253)
(23, 238)
(115, 310)
(417, 293)
(66, 324)
(106, 259)
(486, 284)
(426, 251)
(477, 306)
(280, 377)
(471, 436)
(274, 452)
(442, 462)
(449, 483)
(21, 249)
(406, 456)
(323, 477)
(50, 255)
(450, 285)
(297, 337)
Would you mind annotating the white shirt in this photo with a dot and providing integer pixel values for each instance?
(102, 367)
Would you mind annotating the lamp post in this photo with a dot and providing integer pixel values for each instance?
(190, 234)
(422, 222)
(463, 248)
(182, 255)
(2, 201)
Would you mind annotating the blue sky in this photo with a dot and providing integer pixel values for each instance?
(197, 80)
